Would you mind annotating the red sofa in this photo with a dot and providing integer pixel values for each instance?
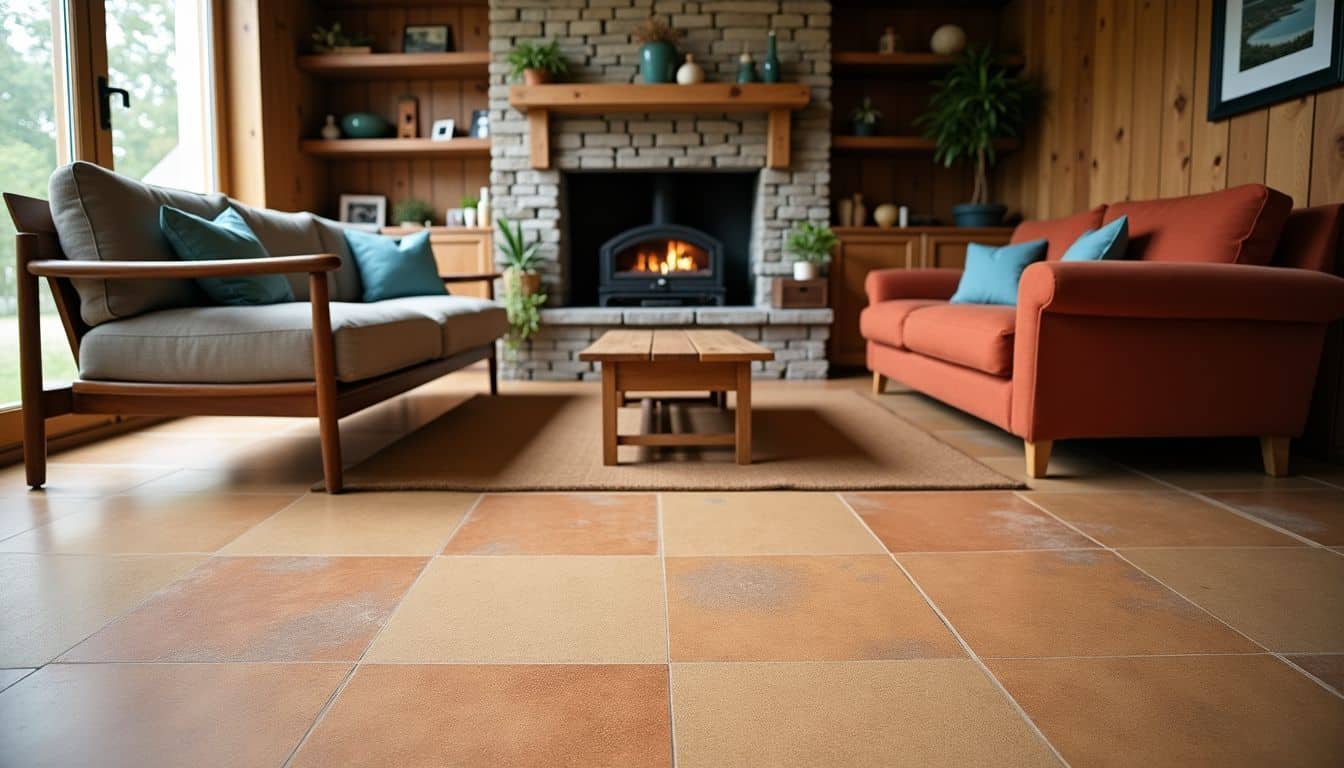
(1212, 325)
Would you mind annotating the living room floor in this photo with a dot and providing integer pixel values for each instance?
(179, 597)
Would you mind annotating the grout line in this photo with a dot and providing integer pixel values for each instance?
(965, 646)
(1294, 665)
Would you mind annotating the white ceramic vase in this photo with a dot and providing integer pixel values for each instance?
(690, 73)
(804, 270)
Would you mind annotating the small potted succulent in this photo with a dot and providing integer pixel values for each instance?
(864, 118)
(520, 257)
(537, 63)
(810, 244)
(413, 212)
(469, 204)
(658, 53)
(335, 40)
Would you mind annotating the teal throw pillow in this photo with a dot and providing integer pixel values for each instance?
(1103, 244)
(991, 273)
(390, 269)
(194, 238)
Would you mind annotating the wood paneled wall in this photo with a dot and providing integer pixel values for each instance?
(1126, 86)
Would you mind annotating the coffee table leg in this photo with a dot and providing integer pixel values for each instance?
(743, 413)
(609, 405)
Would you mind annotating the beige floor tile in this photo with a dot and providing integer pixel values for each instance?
(496, 715)
(1233, 479)
(1217, 711)
(984, 443)
(571, 609)
(260, 609)
(560, 524)
(1071, 603)
(147, 715)
(961, 520)
(1157, 519)
(762, 523)
(1076, 476)
(80, 479)
(22, 513)
(150, 525)
(1317, 515)
(172, 450)
(51, 602)
(405, 523)
(1289, 600)
(9, 677)
(231, 480)
(930, 712)
(1327, 667)
(836, 607)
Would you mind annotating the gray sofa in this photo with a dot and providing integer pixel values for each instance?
(148, 339)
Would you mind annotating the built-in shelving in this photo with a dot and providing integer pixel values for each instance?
(901, 144)
(367, 149)
(896, 63)
(396, 66)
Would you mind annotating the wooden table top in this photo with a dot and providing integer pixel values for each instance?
(632, 345)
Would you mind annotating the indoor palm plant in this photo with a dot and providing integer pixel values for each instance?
(810, 244)
(976, 103)
(523, 298)
(537, 63)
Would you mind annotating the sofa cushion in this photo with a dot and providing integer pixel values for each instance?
(978, 336)
(1109, 243)
(1312, 239)
(219, 345)
(992, 274)
(1058, 233)
(1240, 225)
(227, 236)
(391, 268)
(102, 216)
(884, 322)
(467, 321)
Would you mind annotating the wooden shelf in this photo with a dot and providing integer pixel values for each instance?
(397, 66)
(916, 231)
(368, 149)
(436, 230)
(896, 63)
(775, 99)
(901, 144)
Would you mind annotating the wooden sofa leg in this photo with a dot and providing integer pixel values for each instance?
(494, 371)
(1274, 453)
(1038, 457)
(879, 383)
(324, 375)
(30, 371)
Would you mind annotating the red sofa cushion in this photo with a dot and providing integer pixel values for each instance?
(1060, 233)
(1240, 225)
(884, 322)
(1311, 239)
(978, 336)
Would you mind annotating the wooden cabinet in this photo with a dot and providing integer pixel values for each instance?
(863, 249)
(458, 250)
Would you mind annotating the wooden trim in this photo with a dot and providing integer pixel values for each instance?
(361, 149)
(539, 138)
(489, 277)
(138, 270)
(74, 430)
(86, 27)
(670, 439)
(1038, 457)
(397, 66)
(674, 375)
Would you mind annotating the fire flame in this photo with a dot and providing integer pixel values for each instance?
(675, 260)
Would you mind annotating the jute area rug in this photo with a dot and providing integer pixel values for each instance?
(804, 440)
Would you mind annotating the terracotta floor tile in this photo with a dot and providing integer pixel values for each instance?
(1078, 476)
(929, 712)
(9, 677)
(961, 520)
(51, 602)
(150, 525)
(80, 479)
(260, 609)
(762, 523)
(799, 608)
(1289, 600)
(1074, 603)
(1327, 667)
(1317, 515)
(572, 609)
(145, 715)
(1216, 711)
(358, 524)
(1249, 479)
(560, 524)
(1158, 519)
(496, 715)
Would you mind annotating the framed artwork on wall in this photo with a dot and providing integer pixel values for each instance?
(1267, 51)
(427, 38)
(366, 211)
(443, 130)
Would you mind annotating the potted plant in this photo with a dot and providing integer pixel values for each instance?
(658, 54)
(864, 118)
(523, 309)
(335, 40)
(413, 212)
(520, 257)
(469, 204)
(810, 244)
(976, 103)
(537, 63)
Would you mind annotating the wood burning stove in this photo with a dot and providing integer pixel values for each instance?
(661, 264)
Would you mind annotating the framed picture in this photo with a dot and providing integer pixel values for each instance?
(480, 124)
(1267, 51)
(427, 38)
(364, 209)
(442, 130)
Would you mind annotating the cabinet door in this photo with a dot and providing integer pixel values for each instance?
(949, 249)
(464, 252)
(855, 258)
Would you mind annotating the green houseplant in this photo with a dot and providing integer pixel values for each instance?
(469, 204)
(658, 50)
(864, 118)
(520, 257)
(810, 244)
(536, 63)
(976, 103)
(412, 212)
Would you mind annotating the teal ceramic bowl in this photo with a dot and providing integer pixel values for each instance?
(364, 125)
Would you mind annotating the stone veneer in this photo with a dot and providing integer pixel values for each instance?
(595, 36)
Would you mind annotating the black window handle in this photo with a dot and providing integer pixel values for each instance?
(105, 94)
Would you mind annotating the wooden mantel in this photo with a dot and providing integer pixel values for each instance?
(775, 99)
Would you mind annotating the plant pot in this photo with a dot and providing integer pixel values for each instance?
(865, 129)
(804, 270)
(468, 217)
(536, 76)
(528, 282)
(978, 215)
(658, 62)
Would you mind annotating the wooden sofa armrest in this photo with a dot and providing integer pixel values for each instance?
(138, 270)
(488, 278)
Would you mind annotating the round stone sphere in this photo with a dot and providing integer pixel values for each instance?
(948, 39)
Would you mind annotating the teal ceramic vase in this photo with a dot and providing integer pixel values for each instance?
(658, 62)
(364, 125)
(770, 67)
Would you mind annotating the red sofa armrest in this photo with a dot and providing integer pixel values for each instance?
(887, 284)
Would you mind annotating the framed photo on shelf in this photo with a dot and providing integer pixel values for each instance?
(480, 124)
(367, 211)
(1267, 51)
(442, 130)
(427, 38)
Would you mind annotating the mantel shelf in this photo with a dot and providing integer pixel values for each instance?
(396, 66)
(775, 99)
(901, 144)
(367, 149)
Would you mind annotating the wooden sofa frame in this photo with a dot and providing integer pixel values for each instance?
(39, 255)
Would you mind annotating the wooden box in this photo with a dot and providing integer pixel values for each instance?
(787, 293)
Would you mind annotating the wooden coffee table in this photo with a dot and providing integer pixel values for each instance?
(671, 360)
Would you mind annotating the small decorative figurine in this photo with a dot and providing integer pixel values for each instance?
(690, 73)
(770, 67)
(746, 67)
(330, 130)
(860, 211)
(408, 117)
(890, 42)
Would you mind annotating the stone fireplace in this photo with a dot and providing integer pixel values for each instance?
(607, 169)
